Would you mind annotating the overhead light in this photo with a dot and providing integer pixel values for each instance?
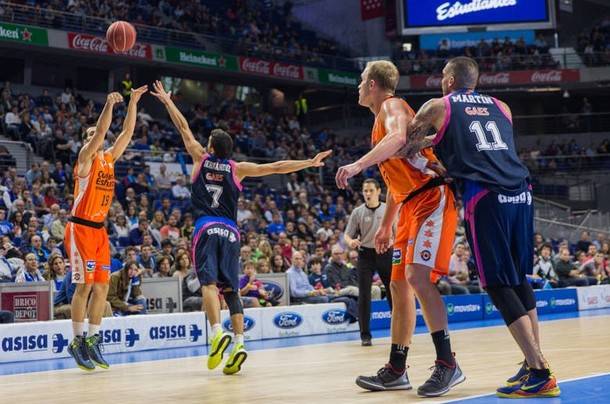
(407, 46)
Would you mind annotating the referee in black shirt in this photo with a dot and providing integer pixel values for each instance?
(360, 234)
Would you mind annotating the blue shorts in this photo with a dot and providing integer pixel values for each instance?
(500, 231)
(216, 252)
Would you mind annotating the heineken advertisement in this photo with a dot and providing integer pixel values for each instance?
(200, 58)
(24, 34)
(335, 77)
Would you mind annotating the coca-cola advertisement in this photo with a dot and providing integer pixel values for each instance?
(266, 68)
(500, 79)
(92, 43)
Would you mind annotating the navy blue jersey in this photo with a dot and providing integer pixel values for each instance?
(216, 189)
(476, 143)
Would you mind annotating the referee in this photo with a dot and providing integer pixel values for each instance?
(360, 234)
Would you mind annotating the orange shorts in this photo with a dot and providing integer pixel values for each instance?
(89, 252)
(425, 233)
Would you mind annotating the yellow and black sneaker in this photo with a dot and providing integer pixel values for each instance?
(218, 346)
(236, 359)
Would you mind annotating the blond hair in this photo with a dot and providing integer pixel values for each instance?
(384, 73)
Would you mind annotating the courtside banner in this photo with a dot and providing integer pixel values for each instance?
(593, 297)
(163, 295)
(547, 302)
(463, 308)
(282, 322)
(253, 330)
(328, 318)
(381, 316)
(50, 339)
(501, 79)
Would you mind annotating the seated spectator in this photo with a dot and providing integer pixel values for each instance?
(163, 180)
(180, 191)
(136, 236)
(276, 226)
(30, 273)
(146, 261)
(568, 272)
(56, 271)
(596, 269)
(164, 267)
(251, 287)
(182, 265)
(300, 289)
(262, 266)
(278, 264)
(124, 294)
(340, 277)
(317, 278)
(170, 230)
(544, 270)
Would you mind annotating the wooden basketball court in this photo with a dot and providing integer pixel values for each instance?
(575, 347)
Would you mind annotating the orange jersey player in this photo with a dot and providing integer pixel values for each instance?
(424, 237)
(86, 240)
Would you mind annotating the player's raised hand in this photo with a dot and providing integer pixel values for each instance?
(136, 93)
(318, 160)
(345, 173)
(114, 98)
(160, 93)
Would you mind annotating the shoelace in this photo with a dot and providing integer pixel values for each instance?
(439, 372)
(95, 342)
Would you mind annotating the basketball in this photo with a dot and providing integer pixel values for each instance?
(121, 36)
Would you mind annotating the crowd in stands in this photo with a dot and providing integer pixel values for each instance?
(566, 155)
(593, 45)
(242, 27)
(296, 229)
(495, 56)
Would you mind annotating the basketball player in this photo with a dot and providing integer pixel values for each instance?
(424, 237)
(216, 186)
(86, 239)
(475, 142)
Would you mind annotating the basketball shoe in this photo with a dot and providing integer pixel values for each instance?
(443, 378)
(518, 377)
(94, 349)
(78, 350)
(219, 344)
(531, 387)
(386, 379)
(236, 359)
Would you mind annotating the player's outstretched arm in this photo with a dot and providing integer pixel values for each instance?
(129, 124)
(103, 124)
(395, 120)
(245, 169)
(193, 147)
(429, 118)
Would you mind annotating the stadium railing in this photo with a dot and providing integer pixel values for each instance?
(55, 19)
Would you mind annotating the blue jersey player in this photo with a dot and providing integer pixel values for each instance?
(216, 184)
(474, 140)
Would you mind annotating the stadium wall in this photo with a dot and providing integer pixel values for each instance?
(49, 339)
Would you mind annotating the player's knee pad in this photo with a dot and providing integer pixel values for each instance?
(526, 295)
(507, 302)
(233, 302)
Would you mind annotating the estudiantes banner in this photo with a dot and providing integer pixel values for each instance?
(512, 78)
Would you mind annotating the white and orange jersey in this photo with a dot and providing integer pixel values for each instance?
(93, 194)
(402, 176)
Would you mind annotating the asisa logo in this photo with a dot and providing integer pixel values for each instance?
(334, 317)
(34, 343)
(115, 336)
(175, 332)
(288, 320)
(248, 324)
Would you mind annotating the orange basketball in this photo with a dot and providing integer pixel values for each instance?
(121, 36)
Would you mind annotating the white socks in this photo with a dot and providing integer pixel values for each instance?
(93, 329)
(216, 328)
(239, 339)
(78, 329)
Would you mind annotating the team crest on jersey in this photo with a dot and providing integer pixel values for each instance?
(90, 266)
(232, 237)
(426, 255)
(397, 256)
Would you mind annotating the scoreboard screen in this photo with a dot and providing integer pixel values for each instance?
(432, 16)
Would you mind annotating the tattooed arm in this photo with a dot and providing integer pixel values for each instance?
(428, 119)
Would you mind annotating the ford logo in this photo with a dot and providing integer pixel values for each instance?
(334, 317)
(274, 289)
(287, 320)
(248, 324)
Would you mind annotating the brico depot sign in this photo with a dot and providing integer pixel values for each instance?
(96, 44)
(272, 69)
(522, 77)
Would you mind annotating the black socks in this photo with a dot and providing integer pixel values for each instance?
(442, 344)
(398, 357)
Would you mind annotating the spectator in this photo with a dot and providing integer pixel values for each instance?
(251, 287)
(36, 247)
(276, 226)
(584, 242)
(30, 273)
(300, 289)
(136, 236)
(317, 278)
(56, 271)
(163, 180)
(340, 277)
(278, 264)
(182, 266)
(595, 269)
(125, 295)
(568, 273)
(179, 191)
(163, 269)
(7, 270)
(147, 262)
(170, 230)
